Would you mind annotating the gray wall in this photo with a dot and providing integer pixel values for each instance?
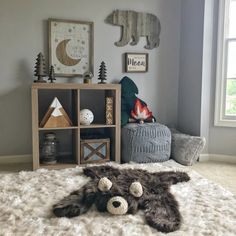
(23, 26)
(221, 140)
(207, 76)
(197, 78)
(190, 75)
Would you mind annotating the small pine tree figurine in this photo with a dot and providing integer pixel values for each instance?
(51, 76)
(102, 73)
(40, 69)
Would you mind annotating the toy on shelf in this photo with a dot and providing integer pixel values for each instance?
(55, 116)
(86, 117)
(102, 73)
(88, 77)
(40, 69)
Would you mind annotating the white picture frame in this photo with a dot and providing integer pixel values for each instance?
(70, 47)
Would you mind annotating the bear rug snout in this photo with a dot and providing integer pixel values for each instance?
(117, 206)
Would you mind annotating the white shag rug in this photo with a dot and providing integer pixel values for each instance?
(26, 200)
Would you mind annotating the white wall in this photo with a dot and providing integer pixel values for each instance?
(23, 27)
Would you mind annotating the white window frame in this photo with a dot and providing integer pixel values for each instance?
(220, 96)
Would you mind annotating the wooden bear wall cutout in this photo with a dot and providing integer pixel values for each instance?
(134, 25)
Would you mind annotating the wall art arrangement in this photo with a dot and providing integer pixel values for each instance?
(135, 25)
(136, 62)
(70, 47)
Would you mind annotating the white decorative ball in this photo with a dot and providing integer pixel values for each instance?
(104, 184)
(117, 206)
(136, 189)
(86, 117)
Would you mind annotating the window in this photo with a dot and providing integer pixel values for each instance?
(225, 108)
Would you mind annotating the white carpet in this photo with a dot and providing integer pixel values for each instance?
(26, 200)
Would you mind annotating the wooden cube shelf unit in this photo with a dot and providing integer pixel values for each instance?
(73, 99)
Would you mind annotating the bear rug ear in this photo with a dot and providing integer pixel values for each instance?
(101, 171)
(162, 213)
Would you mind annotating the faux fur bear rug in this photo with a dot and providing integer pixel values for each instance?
(121, 191)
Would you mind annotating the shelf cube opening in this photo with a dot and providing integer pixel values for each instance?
(67, 98)
(97, 137)
(95, 100)
(66, 146)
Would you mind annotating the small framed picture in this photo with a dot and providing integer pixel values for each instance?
(70, 47)
(136, 62)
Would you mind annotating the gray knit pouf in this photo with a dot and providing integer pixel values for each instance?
(148, 142)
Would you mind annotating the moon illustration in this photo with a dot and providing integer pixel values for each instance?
(63, 57)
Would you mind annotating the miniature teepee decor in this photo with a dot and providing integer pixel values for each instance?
(40, 68)
(55, 116)
(102, 73)
(51, 75)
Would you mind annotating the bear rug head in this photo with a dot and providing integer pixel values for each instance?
(121, 191)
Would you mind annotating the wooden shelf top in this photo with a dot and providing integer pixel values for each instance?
(59, 128)
(96, 126)
(75, 86)
(92, 126)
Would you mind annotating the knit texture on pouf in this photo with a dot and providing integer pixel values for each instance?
(148, 142)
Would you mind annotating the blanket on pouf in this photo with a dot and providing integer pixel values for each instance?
(27, 198)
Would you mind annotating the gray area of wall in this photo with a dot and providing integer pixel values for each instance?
(207, 73)
(190, 76)
(222, 140)
(197, 79)
(23, 26)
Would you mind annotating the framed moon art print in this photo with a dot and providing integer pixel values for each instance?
(70, 47)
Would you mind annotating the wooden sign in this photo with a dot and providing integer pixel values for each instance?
(136, 62)
(55, 116)
(135, 25)
(95, 150)
(109, 110)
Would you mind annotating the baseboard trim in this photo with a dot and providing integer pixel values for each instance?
(27, 158)
(218, 157)
(204, 157)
